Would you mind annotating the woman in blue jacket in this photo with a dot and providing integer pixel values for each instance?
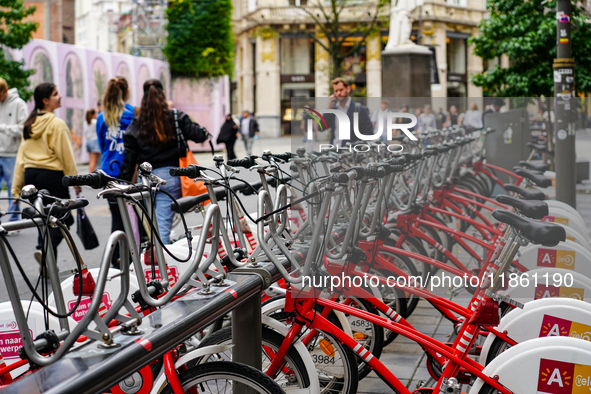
(111, 125)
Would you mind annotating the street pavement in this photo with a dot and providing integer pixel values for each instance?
(403, 357)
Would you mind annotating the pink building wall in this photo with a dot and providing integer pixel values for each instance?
(81, 75)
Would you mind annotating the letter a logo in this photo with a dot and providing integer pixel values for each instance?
(555, 377)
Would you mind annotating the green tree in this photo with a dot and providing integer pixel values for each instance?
(339, 21)
(200, 41)
(15, 33)
(525, 31)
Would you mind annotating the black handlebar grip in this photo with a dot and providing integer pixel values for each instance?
(247, 162)
(97, 179)
(191, 171)
(359, 171)
(412, 156)
(283, 156)
(375, 172)
(340, 177)
(397, 160)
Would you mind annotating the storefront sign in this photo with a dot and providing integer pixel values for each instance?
(297, 78)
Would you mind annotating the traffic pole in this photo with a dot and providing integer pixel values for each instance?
(564, 99)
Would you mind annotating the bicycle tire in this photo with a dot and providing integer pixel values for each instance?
(405, 264)
(416, 246)
(432, 251)
(496, 348)
(347, 384)
(200, 374)
(377, 336)
(297, 375)
(399, 307)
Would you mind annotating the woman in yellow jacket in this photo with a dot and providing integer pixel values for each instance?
(45, 154)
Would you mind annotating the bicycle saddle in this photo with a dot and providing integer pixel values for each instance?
(528, 194)
(540, 147)
(187, 203)
(539, 179)
(533, 166)
(532, 209)
(543, 233)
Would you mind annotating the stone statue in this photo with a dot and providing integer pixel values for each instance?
(400, 23)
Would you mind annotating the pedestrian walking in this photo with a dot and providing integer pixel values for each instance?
(152, 138)
(111, 125)
(427, 120)
(473, 117)
(13, 113)
(228, 135)
(45, 154)
(92, 145)
(249, 128)
(452, 119)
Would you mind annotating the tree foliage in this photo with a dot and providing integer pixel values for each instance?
(200, 41)
(525, 31)
(330, 19)
(15, 33)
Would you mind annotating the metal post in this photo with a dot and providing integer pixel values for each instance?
(564, 97)
(47, 20)
(246, 336)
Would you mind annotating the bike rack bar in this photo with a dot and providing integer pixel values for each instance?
(93, 369)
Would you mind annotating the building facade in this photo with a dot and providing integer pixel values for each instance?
(276, 59)
(97, 23)
(61, 20)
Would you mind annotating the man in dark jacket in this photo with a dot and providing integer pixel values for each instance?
(249, 128)
(341, 100)
(495, 107)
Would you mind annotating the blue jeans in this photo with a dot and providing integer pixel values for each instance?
(6, 172)
(164, 214)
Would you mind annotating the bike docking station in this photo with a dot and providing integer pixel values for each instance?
(94, 368)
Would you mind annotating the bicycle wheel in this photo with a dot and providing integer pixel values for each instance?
(410, 266)
(222, 376)
(395, 299)
(369, 335)
(336, 365)
(497, 347)
(293, 375)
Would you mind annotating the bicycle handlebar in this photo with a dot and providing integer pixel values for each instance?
(191, 171)
(247, 162)
(56, 210)
(97, 180)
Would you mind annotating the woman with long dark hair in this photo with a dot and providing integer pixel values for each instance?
(45, 154)
(111, 126)
(152, 138)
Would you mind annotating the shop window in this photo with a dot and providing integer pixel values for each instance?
(354, 64)
(297, 56)
(456, 55)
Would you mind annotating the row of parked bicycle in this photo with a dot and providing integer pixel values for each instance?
(359, 238)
